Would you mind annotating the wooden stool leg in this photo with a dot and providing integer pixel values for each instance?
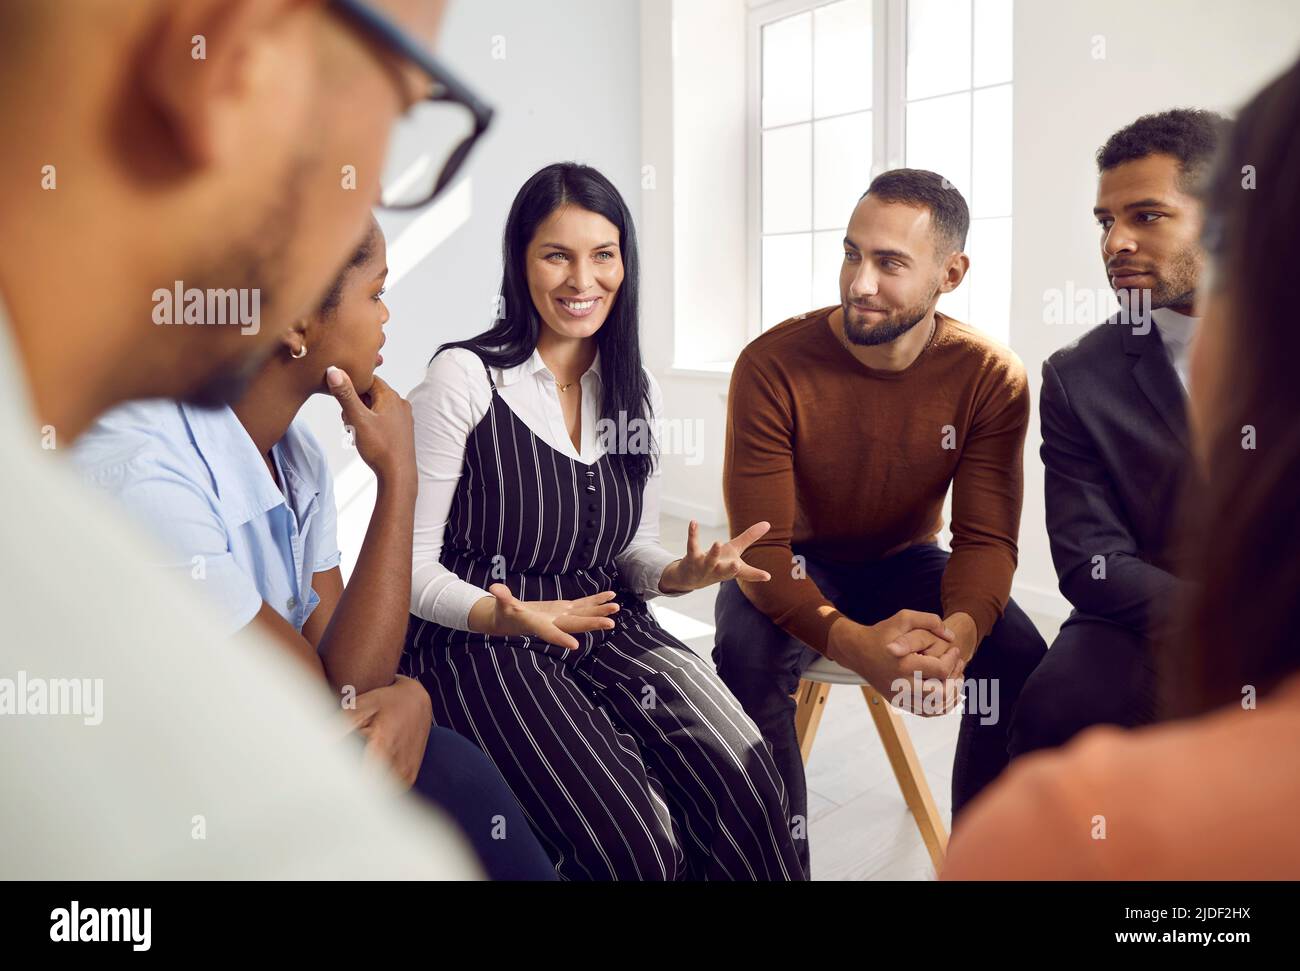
(810, 702)
(910, 775)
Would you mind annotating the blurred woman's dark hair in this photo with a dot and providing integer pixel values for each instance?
(512, 339)
(1236, 627)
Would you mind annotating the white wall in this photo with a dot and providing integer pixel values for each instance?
(693, 60)
(567, 88)
(710, 112)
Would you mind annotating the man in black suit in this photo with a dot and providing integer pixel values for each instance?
(1115, 437)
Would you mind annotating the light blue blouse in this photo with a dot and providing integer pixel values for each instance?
(196, 480)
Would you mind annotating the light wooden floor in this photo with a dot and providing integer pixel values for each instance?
(859, 826)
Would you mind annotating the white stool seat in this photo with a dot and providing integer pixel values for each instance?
(825, 671)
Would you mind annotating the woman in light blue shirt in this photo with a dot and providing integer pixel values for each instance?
(242, 499)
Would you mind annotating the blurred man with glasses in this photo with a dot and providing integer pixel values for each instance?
(219, 145)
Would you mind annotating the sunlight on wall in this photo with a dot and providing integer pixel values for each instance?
(429, 230)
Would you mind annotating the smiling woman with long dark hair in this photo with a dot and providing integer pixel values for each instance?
(610, 326)
(536, 547)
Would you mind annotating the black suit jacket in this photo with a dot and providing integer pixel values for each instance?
(1116, 448)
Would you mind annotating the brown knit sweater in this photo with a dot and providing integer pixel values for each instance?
(851, 464)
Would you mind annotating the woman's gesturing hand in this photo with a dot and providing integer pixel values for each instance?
(721, 561)
(554, 621)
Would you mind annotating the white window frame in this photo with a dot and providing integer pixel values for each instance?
(889, 70)
(888, 107)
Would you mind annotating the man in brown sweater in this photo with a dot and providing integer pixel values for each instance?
(846, 428)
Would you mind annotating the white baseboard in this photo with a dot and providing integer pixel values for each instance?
(1045, 602)
(706, 514)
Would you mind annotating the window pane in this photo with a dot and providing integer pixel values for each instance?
(991, 155)
(787, 179)
(938, 139)
(787, 71)
(828, 258)
(989, 280)
(938, 47)
(992, 41)
(957, 303)
(787, 277)
(842, 79)
(841, 167)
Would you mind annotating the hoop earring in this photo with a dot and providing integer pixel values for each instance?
(299, 354)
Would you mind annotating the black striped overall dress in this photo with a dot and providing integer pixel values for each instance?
(629, 756)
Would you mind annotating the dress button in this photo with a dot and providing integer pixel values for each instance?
(591, 488)
(292, 603)
(591, 522)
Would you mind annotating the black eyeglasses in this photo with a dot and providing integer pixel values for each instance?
(450, 114)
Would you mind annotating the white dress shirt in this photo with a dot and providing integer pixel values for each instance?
(450, 401)
(211, 757)
(1177, 331)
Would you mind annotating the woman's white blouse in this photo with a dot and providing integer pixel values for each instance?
(450, 401)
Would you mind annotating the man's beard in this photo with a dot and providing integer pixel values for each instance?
(1177, 286)
(257, 263)
(888, 330)
(229, 384)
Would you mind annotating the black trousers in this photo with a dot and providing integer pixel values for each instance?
(628, 756)
(1097, 673)
(464, 783)
(762, 664)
